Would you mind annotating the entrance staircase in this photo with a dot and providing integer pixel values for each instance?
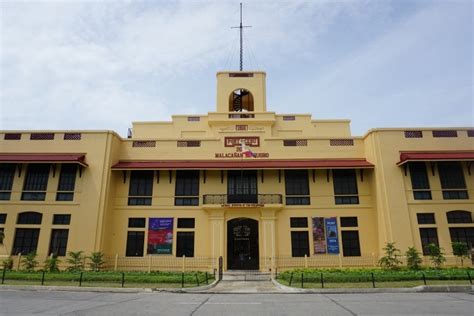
(246, 275)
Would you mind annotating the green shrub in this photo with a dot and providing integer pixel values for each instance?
(413, 258)
(75, 261)
(7, 264)
(390, 261)
(52, 264)
(97, 260)
(461, 250)
(29, 261)
(436, 255)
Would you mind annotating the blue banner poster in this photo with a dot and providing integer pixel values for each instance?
(331, 235)
(160, 236)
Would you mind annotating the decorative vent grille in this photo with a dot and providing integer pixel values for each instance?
(12, 136)
(241, 127)
(237, 74)
(445, 133)
(42, 136)
(144, 143)
(189, 143)
(341, 142)
(194, 118)
(470, 133)
(289, 118)
(413, 134)
(72, 136)
(295, 142)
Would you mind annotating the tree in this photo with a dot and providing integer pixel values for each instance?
(75, 261)
(97, 260)
(436, 255)
(413, 258)
(51, 264)
(29, 261)
(461, 250)
(390, 260)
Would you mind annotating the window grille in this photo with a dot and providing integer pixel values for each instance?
(189, 143)
(42, 136)
(194, 118)
(144, 143)
(12, 136)
(295, 142)
(241, 127)
(289, 118)
(447, 133)
(72, 136)
(341, 142)
(413, 134)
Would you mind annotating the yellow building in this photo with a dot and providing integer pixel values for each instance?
(260, 189)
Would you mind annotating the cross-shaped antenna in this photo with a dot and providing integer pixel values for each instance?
(241, 39)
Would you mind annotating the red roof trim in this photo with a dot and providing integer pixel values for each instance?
(436, 156)
(53, 158)
(249, 164)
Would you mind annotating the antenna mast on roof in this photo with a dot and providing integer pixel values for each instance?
(241, 39)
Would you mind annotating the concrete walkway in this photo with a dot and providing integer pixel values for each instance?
(245, 287)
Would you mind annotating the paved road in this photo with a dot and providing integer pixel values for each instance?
(13, 302)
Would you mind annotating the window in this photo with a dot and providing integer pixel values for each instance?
(428, 236)
(30, 218)
(185, 244)
(144, 143)
(345, 186)
(413, 134)
(297, 187)
(26, 240)
(16, 136)
(452, 181)
(447, 133)
(141, 188)
(135, 222)
(349, 221)
(42, 136)
(296, 222)
(67, 182)
(425, 218)
(462, 234)
(3, 218)
(36, 182)
(58, 243)
(187, 187)
(189, 143)
(419, 181)
(72, 136)
(459, 217)
(135, 241)
(242, 186)
(295, 142)
(185, 222)
(350, 243)
(341, 142)
(7, 172)
(61, 219)
(299, 244)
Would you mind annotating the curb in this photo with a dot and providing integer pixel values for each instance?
(74, 289)
(196, 290)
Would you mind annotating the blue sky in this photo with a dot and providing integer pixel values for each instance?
(103, 64)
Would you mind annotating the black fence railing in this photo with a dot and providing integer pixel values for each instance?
(242, 198)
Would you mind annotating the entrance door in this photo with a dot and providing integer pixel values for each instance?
(242, 244)
(242, 186)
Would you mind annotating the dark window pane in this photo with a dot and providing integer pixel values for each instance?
(299, 244)
(29, 218)
(455, 195)
(428, 236)
(425, 218)
(186, 222)
(242, 186)
(3, 218)
(186, 201)
(347, 200)
(462, 234)
(67, 182)
(459, 217)
(136, 222)
(61, 219)
(422, 195)
(451, 176)
(298, 222)
(345, 186)
(26, 240)
(141, 188)
(139, 201)
(300, 200)
(349, 221)
(7, 172)
(135, 242)
(350, 243)
(419, 181)
(185, 244)
(36, 182)
(296, 182)
(58, 243)
(187, 183)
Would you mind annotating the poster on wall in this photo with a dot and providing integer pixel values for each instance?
(331, 235)
(160, 236)
(319, 238)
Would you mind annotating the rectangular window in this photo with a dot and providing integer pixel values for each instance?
(26, 240)
(186, 222)
(299, 244)
(413, 134)
(187, 187)
(58, 243)
(135, 242)
(295, 142)
(242, 186)
(428, 236)
(12, 136)
(452, 181)
(72, 136)
(350, 243)
(185, 244)
(349, 221)
(341, 142)
(61, 219)
(29, 218)
(296, 222)
(144, 143)
(345, 186)
(3, 218)
(67, 182)
(297, 187)
(36, 182)
(141, 188)
(462, 234)
(425, 218)
(447, 133)
(419, 181)
(7, 173)
(135, 222)
(42, 136)
(189, 143)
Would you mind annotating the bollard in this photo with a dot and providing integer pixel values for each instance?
(322, 281)
(42, 279)
(182, 279)
(468, 275)
(197, 279)
(3, 274)
(123, 278)
(80, 279)
(373, 280)
(424, 278)
(291, 278)
(302, 277)
(207, 279)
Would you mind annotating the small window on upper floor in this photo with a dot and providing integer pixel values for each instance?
(36, 182)
(241, 100)
(451, 176)
(345, 186)
(30, 218)
(67, 182)
(459, 217)
(141, 187)
(419, 181)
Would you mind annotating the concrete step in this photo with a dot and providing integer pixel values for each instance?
(246, 275)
